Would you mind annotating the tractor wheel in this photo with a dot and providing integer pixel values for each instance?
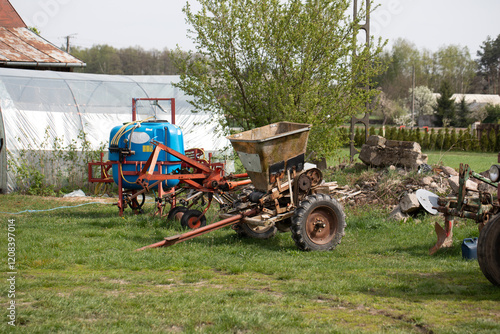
(488, 250)
(190, 219)
(318, 223)
(176, 213)
(256, 232)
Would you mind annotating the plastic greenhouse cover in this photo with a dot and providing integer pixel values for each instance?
(62, 105)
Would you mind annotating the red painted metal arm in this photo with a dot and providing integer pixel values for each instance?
(181, 156)
(203, 230)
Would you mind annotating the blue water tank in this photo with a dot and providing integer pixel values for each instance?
(137, 137)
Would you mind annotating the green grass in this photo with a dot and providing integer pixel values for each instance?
(78, 272)
(478, 161)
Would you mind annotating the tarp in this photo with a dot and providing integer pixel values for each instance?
(35, 104)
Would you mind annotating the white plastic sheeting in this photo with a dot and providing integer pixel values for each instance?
(68, 103)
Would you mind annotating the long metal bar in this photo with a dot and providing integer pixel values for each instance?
(184, 158)
(169, 241)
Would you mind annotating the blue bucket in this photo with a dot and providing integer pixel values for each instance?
(469, 249)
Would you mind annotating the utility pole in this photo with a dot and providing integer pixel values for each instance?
(68, 38)
(413, 95)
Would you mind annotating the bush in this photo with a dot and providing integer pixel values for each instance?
(44, 170)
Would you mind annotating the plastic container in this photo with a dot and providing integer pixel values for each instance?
(267, 152)
(469, 249)
(138, 140)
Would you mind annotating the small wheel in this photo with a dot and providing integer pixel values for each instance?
(318, 223)
(257, 232)
(176, 213)
(136, 204)
(488, 250)
(190, 219)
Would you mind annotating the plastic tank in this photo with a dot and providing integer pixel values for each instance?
(469, 249)
(269, 151)
(138, 140)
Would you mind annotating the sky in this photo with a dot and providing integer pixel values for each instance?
(160, 24)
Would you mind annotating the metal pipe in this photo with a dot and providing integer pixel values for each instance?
(169, 241)
(37, 64)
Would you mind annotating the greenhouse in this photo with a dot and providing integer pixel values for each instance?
(40, 109)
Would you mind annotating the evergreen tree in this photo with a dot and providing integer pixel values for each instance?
(461, 114)
(439, 140)
(461, 140)
(445, 105)
(418, 136)
(453, 139)
(474, 142)
(484, 142)
(401, 134)
(425, 141)
(446, 140)
(432, 140)
(492, 141)
(497, 146)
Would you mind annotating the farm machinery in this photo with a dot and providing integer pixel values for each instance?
(277, 192)
(484, 209)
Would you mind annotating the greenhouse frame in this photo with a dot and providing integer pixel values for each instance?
(41, 106)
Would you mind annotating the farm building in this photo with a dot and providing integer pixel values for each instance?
(40, 106)
(475, 101)
(22, 48)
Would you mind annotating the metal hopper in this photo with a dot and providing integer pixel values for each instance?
(269, 151)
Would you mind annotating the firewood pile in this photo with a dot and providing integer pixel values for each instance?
(395, 188)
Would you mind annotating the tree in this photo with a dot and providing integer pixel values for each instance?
(259, 62)
(101, 59)
(385, 107)
(128, 61)
(455, 65)
(445, 105)
(397, 79)
(493, 113)
(461, 114)
(489, 65)
(424, 100)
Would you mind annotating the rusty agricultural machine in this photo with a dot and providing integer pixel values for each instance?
(484, 209)
(276, 193)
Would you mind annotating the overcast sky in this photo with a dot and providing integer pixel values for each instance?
(161, 24)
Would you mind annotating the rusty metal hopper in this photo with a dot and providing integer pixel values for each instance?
(267, 152)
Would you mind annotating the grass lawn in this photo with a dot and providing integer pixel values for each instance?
(77, 272)
(478, 161)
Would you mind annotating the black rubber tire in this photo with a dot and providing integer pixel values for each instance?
(283, 226)
(176, 213)
(488, 250)
(190, 217)
(314, 210)
(256, 232)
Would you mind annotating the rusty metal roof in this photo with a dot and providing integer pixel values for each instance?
(9, 18)
(22, 47)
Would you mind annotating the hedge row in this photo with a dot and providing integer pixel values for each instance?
(437, 139)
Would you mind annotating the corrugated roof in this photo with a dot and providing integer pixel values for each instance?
(9, 18)
(22, 47)
(478, 98)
